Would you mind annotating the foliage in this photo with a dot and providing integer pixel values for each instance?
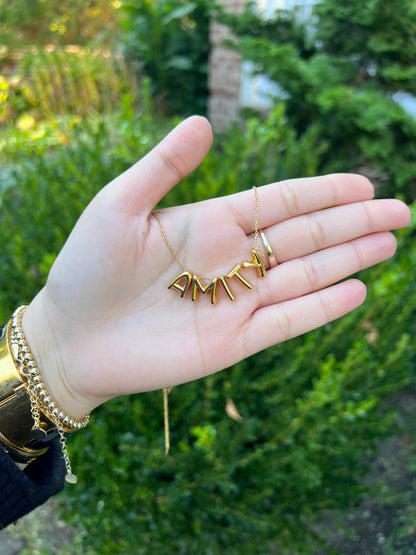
(169, 41)
(26, 23)
(340, 73)
(403, 498)
(51, 81)
(313, 408)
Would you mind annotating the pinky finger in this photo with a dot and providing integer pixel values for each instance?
(280, 322)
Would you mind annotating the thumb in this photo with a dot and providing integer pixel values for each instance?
(143, 185)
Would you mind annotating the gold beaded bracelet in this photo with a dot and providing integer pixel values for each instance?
(44, 411)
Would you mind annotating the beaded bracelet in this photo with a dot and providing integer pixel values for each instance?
(40, 399)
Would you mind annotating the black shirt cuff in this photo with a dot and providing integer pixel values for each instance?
(23, 491)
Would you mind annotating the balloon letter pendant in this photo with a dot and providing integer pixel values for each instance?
(185, 281)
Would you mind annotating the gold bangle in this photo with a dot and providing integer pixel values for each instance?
(15, 409)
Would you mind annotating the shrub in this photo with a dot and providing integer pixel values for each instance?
(340, 72)
(168, 40)
(26, 23)
(72, 80)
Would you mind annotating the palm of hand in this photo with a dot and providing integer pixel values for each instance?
(126, 318)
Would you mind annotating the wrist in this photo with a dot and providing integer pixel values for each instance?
(49, 337)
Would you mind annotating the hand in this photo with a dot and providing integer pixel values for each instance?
(106, 324)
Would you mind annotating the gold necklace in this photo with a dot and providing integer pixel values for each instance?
(186, 280)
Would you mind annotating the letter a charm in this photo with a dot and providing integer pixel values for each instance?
(183, 289)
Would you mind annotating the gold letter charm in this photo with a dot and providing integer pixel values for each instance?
(234, 273)
(223, 280)
(182, 288)
(255, 262)
(198, 284)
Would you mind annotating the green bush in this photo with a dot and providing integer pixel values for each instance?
(72, 80)
(339, 72)
(168, 40)
(313, 408)
(26, 23)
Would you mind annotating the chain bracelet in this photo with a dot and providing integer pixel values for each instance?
(40, 400)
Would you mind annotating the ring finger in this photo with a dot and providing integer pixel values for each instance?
(304, 275)
(319, 230)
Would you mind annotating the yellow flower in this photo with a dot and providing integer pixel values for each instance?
(26, 122)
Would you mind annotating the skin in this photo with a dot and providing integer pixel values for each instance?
(105, 324)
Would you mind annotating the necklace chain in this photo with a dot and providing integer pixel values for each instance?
(255, 233)
(257, 249)
(256, 223)
(172, 250)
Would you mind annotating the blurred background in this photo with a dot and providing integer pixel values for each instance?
(323, 458)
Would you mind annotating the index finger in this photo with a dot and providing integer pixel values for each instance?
(287, 199)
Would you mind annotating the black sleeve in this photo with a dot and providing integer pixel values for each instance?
(23, 491)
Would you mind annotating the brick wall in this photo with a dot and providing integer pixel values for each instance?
(224, 73)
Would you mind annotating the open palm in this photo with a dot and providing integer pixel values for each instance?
(106, 323)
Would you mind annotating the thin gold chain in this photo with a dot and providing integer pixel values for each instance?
(255, 232)
(166, 391)
(256, 223)
(172, 250)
